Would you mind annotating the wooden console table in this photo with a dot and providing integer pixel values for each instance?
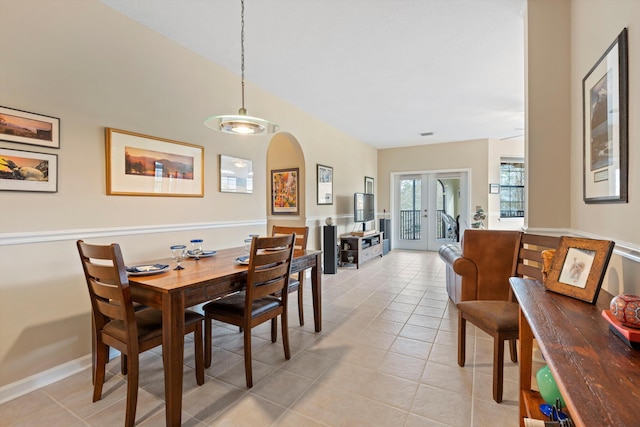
(597, 374)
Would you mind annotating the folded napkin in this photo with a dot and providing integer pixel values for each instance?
(244, 258)
(142, 268)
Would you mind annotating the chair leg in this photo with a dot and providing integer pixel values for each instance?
(93, 349)
(513, 351)
(274, 330)
(285, 335)
(207, 341)
(247, 356)
(198, 350)
(123, 362)
(498, 367)
(101, 352)
(132, 390)
(300, 309)
(462, 339)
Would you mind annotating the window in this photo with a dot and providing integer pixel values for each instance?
(512, 189)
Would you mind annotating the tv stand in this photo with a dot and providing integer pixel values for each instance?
(361, 247)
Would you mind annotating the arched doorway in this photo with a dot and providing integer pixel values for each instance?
(284, 152)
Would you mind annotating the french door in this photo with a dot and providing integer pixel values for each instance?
(420, 200)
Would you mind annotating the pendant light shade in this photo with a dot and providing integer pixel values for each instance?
(241, 124)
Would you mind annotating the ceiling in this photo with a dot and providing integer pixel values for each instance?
(382, 71)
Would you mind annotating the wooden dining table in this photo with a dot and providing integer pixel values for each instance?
(201, 281)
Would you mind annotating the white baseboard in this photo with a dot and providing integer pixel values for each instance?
(48, 377)
(43, 379)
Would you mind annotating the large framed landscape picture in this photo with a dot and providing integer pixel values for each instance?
(142, 165)
(29, 128)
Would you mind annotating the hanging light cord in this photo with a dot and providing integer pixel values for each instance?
(243, 111)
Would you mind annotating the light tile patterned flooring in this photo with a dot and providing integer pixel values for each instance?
(386, 356)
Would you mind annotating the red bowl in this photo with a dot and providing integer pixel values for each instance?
(626, 309)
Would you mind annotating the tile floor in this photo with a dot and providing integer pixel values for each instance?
(386, 357)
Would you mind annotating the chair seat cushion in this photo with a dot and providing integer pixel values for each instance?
(234, 305)
(500, 316)
(149, 323)
(294, 284)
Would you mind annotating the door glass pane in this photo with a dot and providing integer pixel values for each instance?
(410, 207)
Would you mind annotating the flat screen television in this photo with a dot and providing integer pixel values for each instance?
(363, 208)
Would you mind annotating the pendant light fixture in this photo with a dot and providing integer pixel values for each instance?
(241, 124)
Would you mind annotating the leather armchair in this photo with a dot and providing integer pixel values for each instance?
(480, 268)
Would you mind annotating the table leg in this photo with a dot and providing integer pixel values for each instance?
(316, 290)
(526, 354)
(173, 354)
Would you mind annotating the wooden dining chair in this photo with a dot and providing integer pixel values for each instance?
(296, 283)
(264, 298)
(499, 318)
(118, 324)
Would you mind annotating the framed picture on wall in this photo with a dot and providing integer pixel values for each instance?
(143, 165)
(325, 185)
(605, 126)
(28, 171)
(29, 128)
(284, 191)
(236, 175)
(368, 184)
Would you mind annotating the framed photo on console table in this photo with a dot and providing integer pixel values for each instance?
(578, 267)
(605, 122)
(142, 165)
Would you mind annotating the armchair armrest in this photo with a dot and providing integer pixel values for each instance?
(462, 274)
(449, 253)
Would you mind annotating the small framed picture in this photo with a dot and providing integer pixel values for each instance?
(578, 267)
(325, 185)
(494, 188)
(29, 128)
(236, 175)
(27, 171)
(368, 185)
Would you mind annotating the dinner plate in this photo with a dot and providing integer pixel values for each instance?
(147, 269)
(244, 260)
(203, 254)
(277, 248)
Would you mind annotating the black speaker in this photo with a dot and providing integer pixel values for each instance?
(330, 248)
(385, 227)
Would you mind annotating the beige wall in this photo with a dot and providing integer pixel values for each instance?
(481, 157)
(548, 113)
(93, 68)
(463, 155)
(595, 25)
(565, 39)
